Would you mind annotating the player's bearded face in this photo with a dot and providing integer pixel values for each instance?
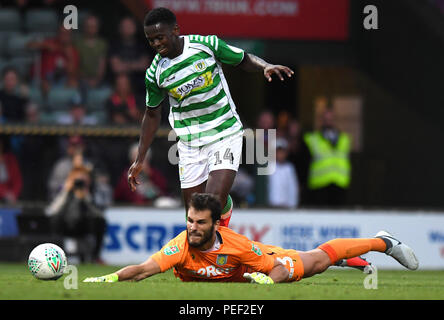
(200, 238)
(200, 230)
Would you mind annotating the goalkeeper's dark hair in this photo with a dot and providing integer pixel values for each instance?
(206, 201)
(159, 15)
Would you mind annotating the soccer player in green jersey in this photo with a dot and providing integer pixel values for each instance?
(188, 69)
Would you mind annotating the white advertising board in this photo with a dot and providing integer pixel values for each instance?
(135, 233)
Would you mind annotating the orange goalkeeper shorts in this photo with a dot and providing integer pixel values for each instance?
(291, 260)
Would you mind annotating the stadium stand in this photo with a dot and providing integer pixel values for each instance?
(96, 98)
(41, 20)
(10, 20)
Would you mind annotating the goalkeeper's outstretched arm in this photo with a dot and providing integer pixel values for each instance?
(139, 272)
(130, 273)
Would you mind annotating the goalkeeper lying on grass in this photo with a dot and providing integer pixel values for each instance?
(208, 252)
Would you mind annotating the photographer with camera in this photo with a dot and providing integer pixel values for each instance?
(74, 214)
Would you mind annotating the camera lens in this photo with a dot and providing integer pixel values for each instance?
(79, 183)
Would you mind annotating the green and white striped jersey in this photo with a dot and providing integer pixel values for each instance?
(201, 108)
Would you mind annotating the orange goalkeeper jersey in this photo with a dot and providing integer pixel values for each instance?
(237, 254)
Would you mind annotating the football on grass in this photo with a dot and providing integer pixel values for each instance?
(47, 261)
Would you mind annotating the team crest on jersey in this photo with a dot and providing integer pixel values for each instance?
(221, 259)
(171, 250)
(200, 65)
(256, 250)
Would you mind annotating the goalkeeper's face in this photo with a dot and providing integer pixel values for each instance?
(201, 230)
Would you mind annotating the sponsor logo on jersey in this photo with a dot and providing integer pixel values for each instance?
(212, 271)
(202, 81)
(171, 250)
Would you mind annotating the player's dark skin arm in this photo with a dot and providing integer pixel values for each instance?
(252, 63)
(150, 124)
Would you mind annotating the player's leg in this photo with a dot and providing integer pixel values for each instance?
(193, 172)
(359, 263)
(315, 261)
(384, 242)
(187, 192)
(318, 260)
(219, 183)
(223, 162)
(329, 253)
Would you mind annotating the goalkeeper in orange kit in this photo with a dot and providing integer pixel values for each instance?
(207, 252)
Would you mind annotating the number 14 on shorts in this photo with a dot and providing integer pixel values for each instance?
(228, 155)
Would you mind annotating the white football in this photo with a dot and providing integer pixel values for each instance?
(47, 261)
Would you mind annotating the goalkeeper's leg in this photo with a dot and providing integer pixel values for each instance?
(359, 263)
(318, 260)
(327, 254)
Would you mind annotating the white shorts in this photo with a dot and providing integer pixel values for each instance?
(195, 164)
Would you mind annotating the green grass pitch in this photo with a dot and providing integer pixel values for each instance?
(17, 283)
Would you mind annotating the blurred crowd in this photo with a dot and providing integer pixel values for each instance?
(51, 74)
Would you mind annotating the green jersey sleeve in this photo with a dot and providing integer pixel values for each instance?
(222, 51)
(154, 94)
(227, 54)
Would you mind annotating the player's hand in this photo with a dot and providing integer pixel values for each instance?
(133, 173)
(108, 278)
(258, 277)
(277, 70)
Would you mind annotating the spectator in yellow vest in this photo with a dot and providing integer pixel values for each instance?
(329, 169)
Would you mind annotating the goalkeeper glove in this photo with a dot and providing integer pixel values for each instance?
(257, 277)
(113, 277)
